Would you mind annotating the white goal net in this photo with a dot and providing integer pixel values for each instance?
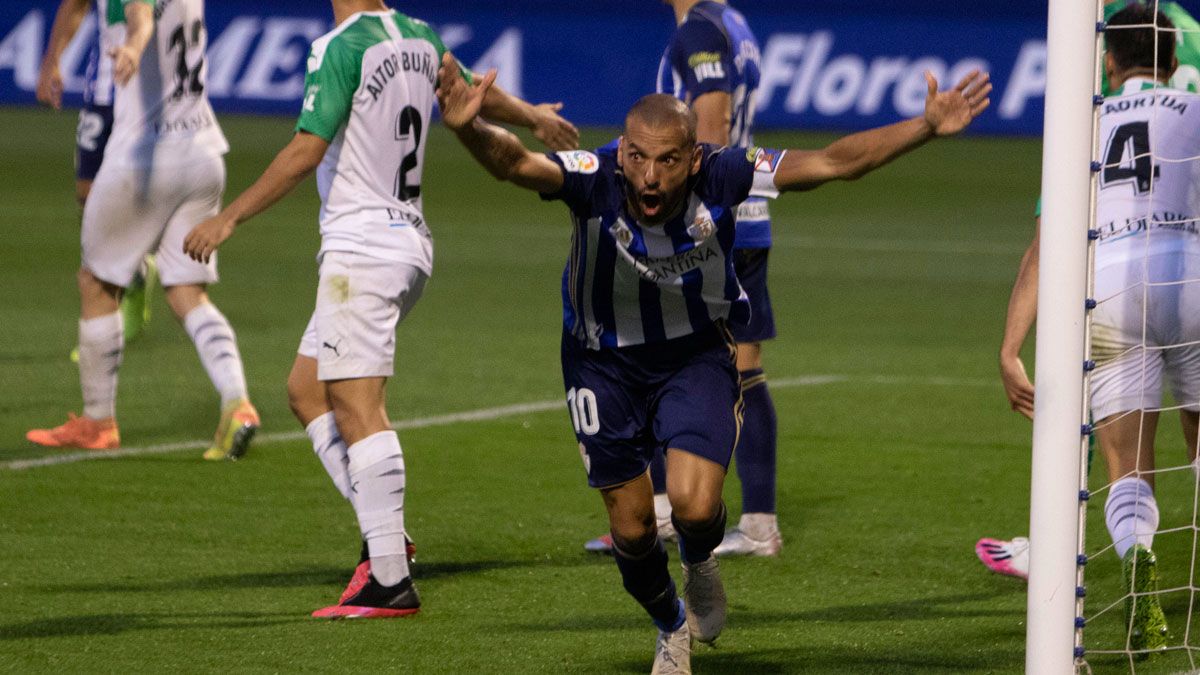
(1138, 492)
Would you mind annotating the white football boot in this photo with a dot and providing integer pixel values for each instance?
(704, 599)
(673, 652)
(756, 534)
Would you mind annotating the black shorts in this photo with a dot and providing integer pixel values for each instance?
(95, 126)
(750, 264)
(626, 402)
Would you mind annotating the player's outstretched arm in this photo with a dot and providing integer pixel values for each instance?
(851, 157)
(66, 23)
(542, 119)
(293, 164)
(1022, 312)
(497, 149)
(139, 27)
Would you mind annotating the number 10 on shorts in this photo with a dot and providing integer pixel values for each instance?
(584, 415)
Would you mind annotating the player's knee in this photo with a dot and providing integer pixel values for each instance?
(694, 506)
(304, 398)
(86, 280)
(633, 530)
(91, 287)
(635, 540)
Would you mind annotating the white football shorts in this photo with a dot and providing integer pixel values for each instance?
(1130, 371)
(360, 300)
(131, 212)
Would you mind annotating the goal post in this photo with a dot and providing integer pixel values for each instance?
(1059, 416)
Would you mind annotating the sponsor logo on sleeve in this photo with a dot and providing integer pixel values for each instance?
(706, 65)
(579, 161)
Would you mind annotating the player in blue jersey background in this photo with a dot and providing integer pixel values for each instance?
(712, 64)
(649, 290)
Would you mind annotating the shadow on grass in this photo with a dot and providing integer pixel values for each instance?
(117, 624)
(915, 609)
(827, 659)
(303, 577)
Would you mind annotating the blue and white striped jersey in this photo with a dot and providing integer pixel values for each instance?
(714, 50)
(99, 86)
(626, 283)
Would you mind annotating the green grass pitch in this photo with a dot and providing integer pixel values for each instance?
(896, 448)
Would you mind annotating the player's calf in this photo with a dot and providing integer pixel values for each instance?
(96, 296)
(644, 573)
(307, 396)
(358, 407)
(377, 473)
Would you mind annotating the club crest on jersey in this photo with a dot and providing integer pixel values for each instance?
(621, 232)
(579, 161)
(702, 227)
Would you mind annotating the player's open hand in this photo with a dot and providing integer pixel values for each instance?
(949, 112)
(202, 242)
(1017, 386)
(460, 102)
(125, 63)
(50, 86)
(552, 130)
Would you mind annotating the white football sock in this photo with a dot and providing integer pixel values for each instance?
(331, 450)
(377, 485)
(662, 510)
(218, 350)
(758, 525)
(1131, 514)
(101, 342)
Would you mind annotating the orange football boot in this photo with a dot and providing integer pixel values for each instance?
(79, 432)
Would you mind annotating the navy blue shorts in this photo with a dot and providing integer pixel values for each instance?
(95, 125)
(750, 264)
(626, 402)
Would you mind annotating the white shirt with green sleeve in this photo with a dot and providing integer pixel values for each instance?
(369, 92)
(162, 117)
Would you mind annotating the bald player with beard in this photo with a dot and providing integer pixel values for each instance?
(649, 293)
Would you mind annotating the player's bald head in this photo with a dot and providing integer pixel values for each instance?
(659, 111)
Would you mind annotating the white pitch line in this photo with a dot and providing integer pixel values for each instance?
(279, 436)
(480, 415)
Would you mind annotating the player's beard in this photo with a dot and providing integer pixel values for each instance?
(654, 207)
